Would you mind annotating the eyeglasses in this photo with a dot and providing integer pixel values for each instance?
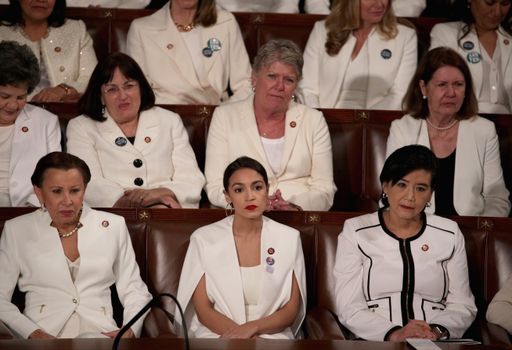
(114, 90)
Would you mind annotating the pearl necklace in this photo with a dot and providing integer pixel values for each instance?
(441, 128)
(72, 232)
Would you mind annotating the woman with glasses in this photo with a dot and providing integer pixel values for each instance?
(139, 154)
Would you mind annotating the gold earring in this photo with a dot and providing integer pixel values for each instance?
(229, 210)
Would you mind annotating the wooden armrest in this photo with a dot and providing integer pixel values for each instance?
(322, 324)
(5, 333)
(158, 325)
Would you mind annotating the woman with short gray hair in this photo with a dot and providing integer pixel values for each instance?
(26, 132)
(289, 139)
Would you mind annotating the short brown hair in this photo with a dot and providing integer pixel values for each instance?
(414, 103)
(59, 160)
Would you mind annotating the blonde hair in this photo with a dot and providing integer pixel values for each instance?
(345, 17)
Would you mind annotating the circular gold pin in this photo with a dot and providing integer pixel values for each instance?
(293, 124)
(57, 49)
(506, 42)
(147, 139)
(24, 129)
(169, 46)
(105, 223)
(62, 69)
(424, 247)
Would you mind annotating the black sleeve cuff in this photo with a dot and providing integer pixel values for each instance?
(386, 337)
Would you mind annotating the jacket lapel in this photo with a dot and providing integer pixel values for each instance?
(111, 133)
(293, 125)
(147, 131)
(21, 139)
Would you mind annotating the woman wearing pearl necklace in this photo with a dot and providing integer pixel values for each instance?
(441, 112)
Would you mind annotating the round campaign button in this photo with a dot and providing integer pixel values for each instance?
(214, 44)
(386, 54)
(270, 261)
(207, 52)
(468, 45)
(121, 141)
(474, 57)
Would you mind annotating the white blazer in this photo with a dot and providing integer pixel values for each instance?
(278, 6)
(212, 253)
(67, 52)
(36, 133)
(31, 255)
(127, 4)
(409, 8)
(158, 47)
(306, 176)
(447, 34)
(479, 188)
(388, 78)
(161, 144)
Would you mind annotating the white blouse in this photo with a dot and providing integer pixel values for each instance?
(353, 91)
(251, 285)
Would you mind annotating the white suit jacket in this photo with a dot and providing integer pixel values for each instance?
(306, 176)
(158, 47)
(36, 133)
(374, 269)
(67, 52)
(161, 143)
(320, 7)
(388, 78)
(212, 253)
(447, 34)
(31, 255)
(127, 4)
(409, 8)
(479, 188)
(280, 6)
(500, 308)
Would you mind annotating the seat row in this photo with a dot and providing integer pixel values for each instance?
(358, 140)
(161, 237)
(109, 27)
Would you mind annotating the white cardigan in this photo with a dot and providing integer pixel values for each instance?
(31, 255)
(158, 47)
(67, 51)
(161, 144)
(306, 175)
(388, 77)
(479, 188)
(212, 253)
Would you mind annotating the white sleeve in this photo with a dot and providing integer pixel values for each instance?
(287, 6)
(9, 274)
(500, 308)
(351, 306)
(395, 138)
(409, 8)
(87, 58)
(320, 7)
(310, 85)
(439, 37)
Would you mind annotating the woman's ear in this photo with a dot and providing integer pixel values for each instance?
(228, 198)
(423, 88)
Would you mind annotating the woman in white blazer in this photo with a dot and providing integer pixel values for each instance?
(500, 308)
(401, 273)
(402, 8)
(290, 140)
(483, 38)
(441, 114)
(191, 54)
(139, 154)
(62, 46)
(26, 132)
(65, 256)
(244, 276)
(278, 6)
(127, 4)
(359, 63)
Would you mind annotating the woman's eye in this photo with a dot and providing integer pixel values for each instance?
(56, 191)
(237, 190)
(400, 184)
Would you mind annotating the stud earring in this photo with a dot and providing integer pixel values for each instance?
(424, 97)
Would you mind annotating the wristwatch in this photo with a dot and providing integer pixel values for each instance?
(440, 332)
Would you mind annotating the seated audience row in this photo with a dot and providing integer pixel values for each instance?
(120, 125)
(360, 57)
(228, 262)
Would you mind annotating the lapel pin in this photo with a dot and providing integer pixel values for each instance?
(57, 49)
(105, 223)
(147, 139)
(207, 52)
(468, 45)
(424, 247)
(270, 250)
(506, 42)
(169, 46)
(121, 141)
(386, 54)
(270, 261)
(270, 269)
(293, 124)
(214, 44)
(24, 129)
(473, 57)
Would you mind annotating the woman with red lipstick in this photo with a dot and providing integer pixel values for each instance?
(401, 273)
(441, 114)
(484, 39)
(139, 154)
(62, 46)
(65, 257)
(243, 276)
(27, 132)
(290, 140)
(360, 57)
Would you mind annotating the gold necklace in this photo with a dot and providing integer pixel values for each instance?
(72, 232)
(184, 28)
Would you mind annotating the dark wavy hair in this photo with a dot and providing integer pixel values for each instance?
(59, 160)
(404, 161)
(462, 8)
(13, 15)
(414, 103)
(18, 65)
(243, 163)
(90, 103)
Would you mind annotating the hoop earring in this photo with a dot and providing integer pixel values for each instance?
(429, 204)
(43, 208)
(229, 210)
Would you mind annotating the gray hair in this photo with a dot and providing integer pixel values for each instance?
(279, 50)
(18, 65)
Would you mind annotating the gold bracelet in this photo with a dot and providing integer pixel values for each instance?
(65, 87)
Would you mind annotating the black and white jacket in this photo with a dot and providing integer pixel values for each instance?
(382, 281)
